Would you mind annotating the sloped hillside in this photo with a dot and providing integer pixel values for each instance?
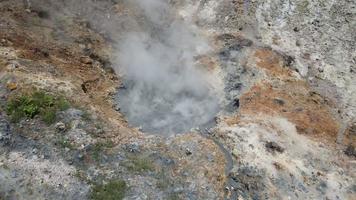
(193, 99)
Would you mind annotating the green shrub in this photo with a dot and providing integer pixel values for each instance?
(114, 190)
(37, 103)
(49, 115)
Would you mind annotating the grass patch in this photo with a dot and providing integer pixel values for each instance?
(99, 148)
(63, 104)
(37, 103)
(139, 164)
(114, 190)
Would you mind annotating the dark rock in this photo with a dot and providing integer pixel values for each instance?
(132, 147)
(226, 37)
(350, 151)
(84, 88)
(42, 14)
(352, 130)
(279, 102)
(322, 187)
(117, 108)
(288, 60)
(188, 152)
(274, 147)
(235, 45)
(249, 181)
(4, 131)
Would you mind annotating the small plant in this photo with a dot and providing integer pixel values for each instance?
(63, 104)
(49, 115)
(114, 190)
(37, 103)
(65, 143)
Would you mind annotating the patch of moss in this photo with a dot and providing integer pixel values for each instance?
(37, 103)
(114, 190)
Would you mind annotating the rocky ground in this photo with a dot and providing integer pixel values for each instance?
(287, 130)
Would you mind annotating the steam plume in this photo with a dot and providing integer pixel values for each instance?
(165, 91)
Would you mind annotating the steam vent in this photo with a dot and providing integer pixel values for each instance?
(177, 100)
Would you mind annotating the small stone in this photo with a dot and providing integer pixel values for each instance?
(210, 158)
(34, 151)
(298, 43)
(235, 153)
(13, 174)
(188, 152)
(274, 147)
(11, 86)
(299, 109)
(237, 103)
(140, 128)
(82, 46)
(117, 108)
(133, 147)
(279, 101)
(86, 60)
(350, 151)
(60, 126)
(80, 156)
